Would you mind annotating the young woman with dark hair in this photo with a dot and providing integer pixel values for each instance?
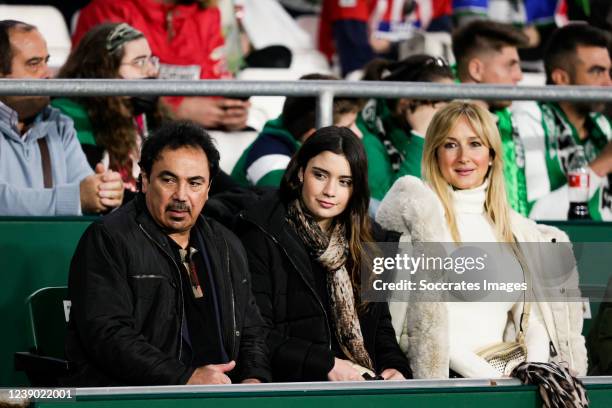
(111, 128)
(394, 129)
(306, 246)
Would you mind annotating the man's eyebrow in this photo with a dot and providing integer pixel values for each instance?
(597, 67)
(197, 178)
(36, 59)
(164, 173)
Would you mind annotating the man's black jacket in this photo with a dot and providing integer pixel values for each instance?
(127, 303)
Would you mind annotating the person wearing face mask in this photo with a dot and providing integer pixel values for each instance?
(463, 200)
(305, 246)
(112, 128)
(393, 129)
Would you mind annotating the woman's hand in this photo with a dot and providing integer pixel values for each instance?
(392, 374)
(344, 371)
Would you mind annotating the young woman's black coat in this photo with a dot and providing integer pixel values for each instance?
(284, 289)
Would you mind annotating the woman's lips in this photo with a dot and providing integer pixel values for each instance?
(325, 204)
(464, 172)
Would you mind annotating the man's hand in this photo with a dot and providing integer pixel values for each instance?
(344, 371)
(215, 113)
(251, 381)
(392, 374)
(212, 374)
(101, 191)
(602, 165)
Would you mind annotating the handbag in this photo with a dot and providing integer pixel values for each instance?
(507, 355)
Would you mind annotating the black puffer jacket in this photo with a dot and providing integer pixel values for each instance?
(127, 303)
(284, 287)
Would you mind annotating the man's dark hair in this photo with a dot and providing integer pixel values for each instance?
(561, 49)
(483, 36)
(6, 51)
(175, 135)
(299, 113)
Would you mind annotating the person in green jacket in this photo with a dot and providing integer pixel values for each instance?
(112, 128)
(393, 129)
(264, 161)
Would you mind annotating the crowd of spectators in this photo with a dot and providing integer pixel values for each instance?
(477, 171)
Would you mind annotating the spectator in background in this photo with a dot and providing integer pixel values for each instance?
(43, 170)
(487, 53)
(577, 54)
(265, 160)
(394, 129)
(536, 18)
(358, 31)
(187, 38)
(112, 128)
(344, 30)
(462, 199)
(306, 250)
(160, 294)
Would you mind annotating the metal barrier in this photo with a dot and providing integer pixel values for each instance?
(324, 91)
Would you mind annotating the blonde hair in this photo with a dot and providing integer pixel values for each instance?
(481, 121)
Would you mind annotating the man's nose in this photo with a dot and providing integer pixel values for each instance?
(180, 193)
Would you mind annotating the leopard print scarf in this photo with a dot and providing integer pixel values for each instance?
(331, 252)
(557, 386)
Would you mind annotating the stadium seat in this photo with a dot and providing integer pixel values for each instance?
(51, 25)
(49, 312)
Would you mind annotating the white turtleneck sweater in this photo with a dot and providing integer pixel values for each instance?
(475, 325)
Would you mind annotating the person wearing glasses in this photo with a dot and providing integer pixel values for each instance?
(393, 129)
(187, 37)
(112, 128)
(43, 171)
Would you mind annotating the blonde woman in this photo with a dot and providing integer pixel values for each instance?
(463, 199)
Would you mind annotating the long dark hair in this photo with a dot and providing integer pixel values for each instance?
(111, 116)
(341, 141)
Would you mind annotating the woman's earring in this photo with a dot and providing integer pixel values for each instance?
(491, 163)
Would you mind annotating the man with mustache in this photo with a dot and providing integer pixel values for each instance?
(577, 54)
(43, 170)
(160, 294)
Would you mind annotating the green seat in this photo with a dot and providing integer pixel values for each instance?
(49, 311)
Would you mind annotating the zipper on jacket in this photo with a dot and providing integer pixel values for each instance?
(233, 303)
(182, 301)
(241, 215)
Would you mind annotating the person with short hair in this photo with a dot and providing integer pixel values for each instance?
(577, 54)
(43, 170)
(394, 129)
(160, 294)
(487, 53)
(462, 199)
(264, 161)
(306, 246)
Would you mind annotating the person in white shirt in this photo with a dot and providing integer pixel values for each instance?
(463, 199)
